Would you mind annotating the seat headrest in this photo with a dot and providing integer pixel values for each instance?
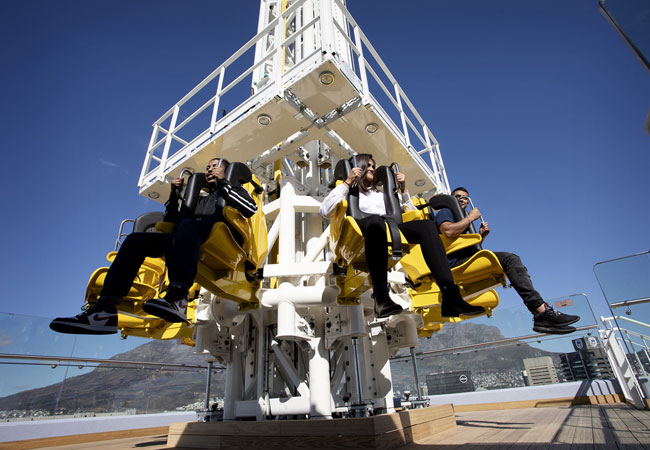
(342, 169)
(147, 221)
(238, 172)
(447, 201)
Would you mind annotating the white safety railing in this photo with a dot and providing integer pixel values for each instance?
(185, 128)
(618, 359)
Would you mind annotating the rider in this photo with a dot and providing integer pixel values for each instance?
(546, 319)
(373, 228)
(180, 249)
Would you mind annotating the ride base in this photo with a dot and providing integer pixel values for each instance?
(386, 431)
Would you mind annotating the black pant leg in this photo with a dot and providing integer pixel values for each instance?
(185, 251)
(520, 279)
(424, 232)
(373, 229)
(135, 248)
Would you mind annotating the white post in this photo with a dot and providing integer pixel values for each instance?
(168, 141)
(362, 66)
(320, 398)
(233, 388)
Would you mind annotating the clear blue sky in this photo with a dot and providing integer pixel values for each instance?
(538, 106)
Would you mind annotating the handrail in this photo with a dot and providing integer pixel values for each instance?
(411, 121)
(637, 301)
(486, 344)
(626, 319)
(99, 361)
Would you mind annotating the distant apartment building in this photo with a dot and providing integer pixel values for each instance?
(588, 362)
(539, 371)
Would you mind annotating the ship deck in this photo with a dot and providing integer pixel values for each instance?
(612, 426)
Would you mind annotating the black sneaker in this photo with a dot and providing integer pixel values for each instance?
(172, 308)
(98, 318)
(554, 322)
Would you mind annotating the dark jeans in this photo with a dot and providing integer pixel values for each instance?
(180, 249)
(421, 232)
(519, 278)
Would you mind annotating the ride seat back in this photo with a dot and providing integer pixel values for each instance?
(440, 201)
(384, 177)
(223, 250)
(147, 222)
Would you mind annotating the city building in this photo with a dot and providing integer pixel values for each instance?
(588, 362)
(540, 371)
(450, 382)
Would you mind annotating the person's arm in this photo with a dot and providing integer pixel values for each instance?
(335, 196)
(452, 229)
(238, 197)
(407, 203)
(173, 203)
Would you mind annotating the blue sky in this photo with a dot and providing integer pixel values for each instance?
(538, 107)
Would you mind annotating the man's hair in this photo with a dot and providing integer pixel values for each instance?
(224, 161)
(460, 188)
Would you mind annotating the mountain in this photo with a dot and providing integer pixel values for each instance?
(109, 389)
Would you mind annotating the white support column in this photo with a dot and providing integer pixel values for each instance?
(234, 388)
(320, 397)
(326, 25)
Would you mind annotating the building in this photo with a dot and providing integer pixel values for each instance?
(540, 371)
(450, 382)
(588, 362)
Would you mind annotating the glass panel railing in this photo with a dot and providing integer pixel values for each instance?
(502, 351)
(625, 283)
(625, 280)
(44, 374)
(631, 18)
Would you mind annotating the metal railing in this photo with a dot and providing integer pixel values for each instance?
(160, 158)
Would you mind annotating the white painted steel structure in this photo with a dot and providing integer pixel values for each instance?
(315, 92)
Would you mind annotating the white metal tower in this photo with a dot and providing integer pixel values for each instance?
(314, 91)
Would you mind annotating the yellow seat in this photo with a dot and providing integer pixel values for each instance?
(150, 281)
(431, 314)
(476, 278)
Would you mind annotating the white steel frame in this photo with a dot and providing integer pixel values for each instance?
(323, 33)
(301, 354)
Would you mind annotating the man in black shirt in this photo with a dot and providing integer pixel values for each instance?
(181, 250)
(546, 319)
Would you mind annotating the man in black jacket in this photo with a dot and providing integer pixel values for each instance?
(181, 250)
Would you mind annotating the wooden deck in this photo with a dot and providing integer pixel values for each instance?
(572, 428)
(567, 427)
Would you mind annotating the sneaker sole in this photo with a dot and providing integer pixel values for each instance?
(553, 330)
(68, 328)
(166, 314)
